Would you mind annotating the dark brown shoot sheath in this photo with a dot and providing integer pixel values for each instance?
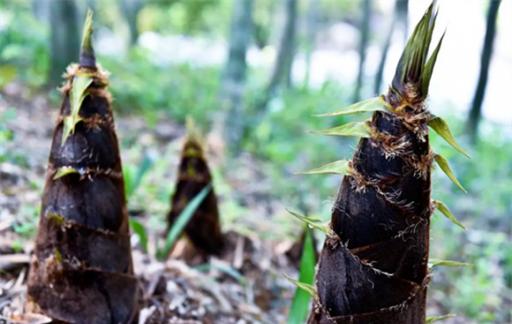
(373, 268)
(204, 228)
(81, 271)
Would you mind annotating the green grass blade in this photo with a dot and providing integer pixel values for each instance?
(446, 212)
(300, 303)
(358, 129)
(133, 178)
(224, 268)
(445, 166)
(140, 231)
(129, 179)
(337, 167)
(432, 319)
(368, 105)
(441, 128)
(181, 222)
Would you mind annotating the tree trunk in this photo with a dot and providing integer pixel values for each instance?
(41, 10)
(131, 10)
(399, 16)
(475, 112)
(281, 72)
(91, 4)
(286, 52)
(64, 34)
(373, 266)
(82, 271)
(363, 44)
(311, 31)
(402, 10)
(234, 76)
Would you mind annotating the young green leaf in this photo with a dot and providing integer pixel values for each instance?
(310, 289)
(311, 222)
(358, 129)
(414, 56)
(77, 96)
(429, 68)
(446, 212)
(445, 166)
(337, 167)
(87, 58)
(368, 105)
(64, 171)
(182, 221)
(432, 319)
(300, 302)
(140, 231)
(446, 263)
(441, 128)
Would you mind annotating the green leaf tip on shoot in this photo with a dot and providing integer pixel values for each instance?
(368, 105)
(310, 289)
(193, 131)
(338, 167)
(441, 206)
(55, 218)
(312, 222)
(437, 318)
(441, 128)
(429, 67)
(64, 171)
(445, 166)
(413, 69)
(182, 221)
(77, 95)
(357, 129)
(447, 263)
(87, 58)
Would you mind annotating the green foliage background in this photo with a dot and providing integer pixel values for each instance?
(280, 142)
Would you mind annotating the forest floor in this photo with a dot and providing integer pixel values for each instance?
(245, 285)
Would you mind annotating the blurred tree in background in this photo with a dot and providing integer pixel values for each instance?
(234, 74)
(475, 113)
(399, 18)
(363, 44)
(281, 71)
(131, 9)
(65, 37)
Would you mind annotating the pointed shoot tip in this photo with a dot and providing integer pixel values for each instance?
(193, 132)
(87, 58)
